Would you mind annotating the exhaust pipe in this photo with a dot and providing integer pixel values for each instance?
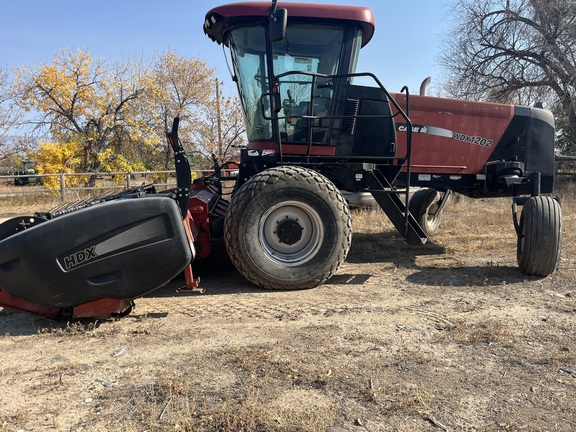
(424, 86)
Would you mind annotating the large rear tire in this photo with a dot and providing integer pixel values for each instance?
(540, 236)
(424, 206)
(288, 228)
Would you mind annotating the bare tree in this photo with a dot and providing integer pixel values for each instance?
(12, 140)
(521, 51)
(183, 89)
(219, 132)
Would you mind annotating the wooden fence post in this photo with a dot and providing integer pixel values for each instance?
(62, 187)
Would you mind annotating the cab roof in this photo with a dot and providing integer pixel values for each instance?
(222, 18)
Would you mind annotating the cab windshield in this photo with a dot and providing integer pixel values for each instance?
(307, 49)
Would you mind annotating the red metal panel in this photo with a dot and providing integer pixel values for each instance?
(362, 15)
(294, 149)
(305, 10)
(198, 224)
(15, 303)
(103, 307)
(452, 136)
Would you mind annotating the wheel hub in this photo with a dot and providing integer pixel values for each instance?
(289, 231)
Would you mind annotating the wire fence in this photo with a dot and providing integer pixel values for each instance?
(566, 167)
(66, 187)
(74, 186)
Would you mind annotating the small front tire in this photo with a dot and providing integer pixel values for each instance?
(425, 207)
(539, 236)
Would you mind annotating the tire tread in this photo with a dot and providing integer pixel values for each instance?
(541, 226)
(274, 176)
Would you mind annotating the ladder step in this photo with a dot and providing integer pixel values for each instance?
(402, 220)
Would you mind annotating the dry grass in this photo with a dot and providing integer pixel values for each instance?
(28, 200)
(487, 332)
(268, 393)
(265, 393)
(27, 204)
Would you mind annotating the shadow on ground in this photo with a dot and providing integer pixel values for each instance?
(430, 263)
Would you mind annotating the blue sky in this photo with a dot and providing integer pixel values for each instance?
(404, 49)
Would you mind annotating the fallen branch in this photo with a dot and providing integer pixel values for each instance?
(435, 422)
(164, 409)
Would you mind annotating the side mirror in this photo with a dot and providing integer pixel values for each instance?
(278, 22)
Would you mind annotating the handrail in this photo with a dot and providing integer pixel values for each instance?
(315, 76)
(406, 160)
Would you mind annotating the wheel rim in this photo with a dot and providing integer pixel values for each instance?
(291, 232)
(431, 213)
(432, 216)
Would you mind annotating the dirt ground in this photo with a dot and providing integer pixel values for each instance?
(442, 337)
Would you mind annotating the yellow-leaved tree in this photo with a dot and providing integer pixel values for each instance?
(94, 107)
(59, 158)
(114, 116)
(182, 89)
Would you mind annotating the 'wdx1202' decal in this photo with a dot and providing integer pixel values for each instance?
(433, 130)
(476, 140)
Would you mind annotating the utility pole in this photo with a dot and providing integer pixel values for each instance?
(219, 119)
